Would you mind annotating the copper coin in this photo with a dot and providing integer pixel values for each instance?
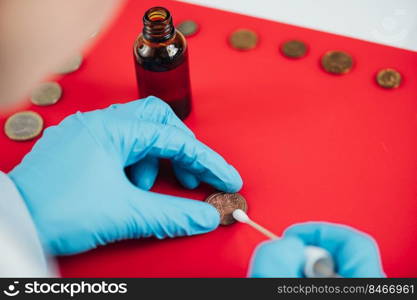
(337, 62)
(46, 93)
(243, 39)
(294, 49)
(188, 27)
(226, 203)
(23, 126)
(388, 78)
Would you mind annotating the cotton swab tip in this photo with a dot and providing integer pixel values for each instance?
(240, 216)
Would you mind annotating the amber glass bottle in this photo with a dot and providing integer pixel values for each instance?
(161, 61)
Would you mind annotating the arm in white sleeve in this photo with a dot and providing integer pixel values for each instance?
(21, 254)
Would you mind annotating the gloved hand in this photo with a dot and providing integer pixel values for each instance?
(75, 187)
(355, 254)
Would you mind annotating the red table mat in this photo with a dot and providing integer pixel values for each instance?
(309, 145)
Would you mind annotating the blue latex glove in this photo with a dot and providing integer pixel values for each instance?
(355, 253)
(75, 187)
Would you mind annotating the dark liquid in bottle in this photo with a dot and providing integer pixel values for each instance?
(172, 86)
(161, 62)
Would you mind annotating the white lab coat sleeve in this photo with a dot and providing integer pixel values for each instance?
(21, 253)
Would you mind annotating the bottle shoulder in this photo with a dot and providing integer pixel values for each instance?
(169, 50)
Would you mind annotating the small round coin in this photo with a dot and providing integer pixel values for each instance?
(46, 93)
(294, 49)
(243, 39)
(337, 62)
(388, 78)
(226, 203)
(23, 126)
(94, 34)
(71, 65)
(188, 27)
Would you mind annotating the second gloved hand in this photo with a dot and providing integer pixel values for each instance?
(355, 254)
(75, 187)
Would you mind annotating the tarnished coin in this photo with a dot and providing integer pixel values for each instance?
(46, 93)
(225, 204)
(337, 62)
(71, 65)
(23, 126)
(243, 39)
(188, 27)
(388, 78)
(294, 49)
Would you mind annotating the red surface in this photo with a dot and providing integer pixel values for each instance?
(309, 145)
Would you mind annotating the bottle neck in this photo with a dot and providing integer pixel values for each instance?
(157, 25)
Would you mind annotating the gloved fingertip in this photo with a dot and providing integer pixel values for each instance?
(170, 216)
(187, 179)
(151, 97)
(273, 248)
(191, 183)
(234, 183)
(154, 100)
(209, 218)
(360, 257)
(202, 218)
(143, 174)
(158, 107)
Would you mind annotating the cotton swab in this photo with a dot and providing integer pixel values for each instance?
(319, 262)
(242, 217)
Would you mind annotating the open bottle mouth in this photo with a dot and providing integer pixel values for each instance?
(158, 25)
(157, 14)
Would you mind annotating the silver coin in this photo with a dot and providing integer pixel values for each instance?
(46, 93)
(71, 65)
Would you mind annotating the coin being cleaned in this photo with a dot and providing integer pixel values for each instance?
(226, 203)
(23, 126)
(46, 93)
(188, 27)
(388, 78)
(294, 49)
(337, 62)
(71, 65)
(243, 39)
